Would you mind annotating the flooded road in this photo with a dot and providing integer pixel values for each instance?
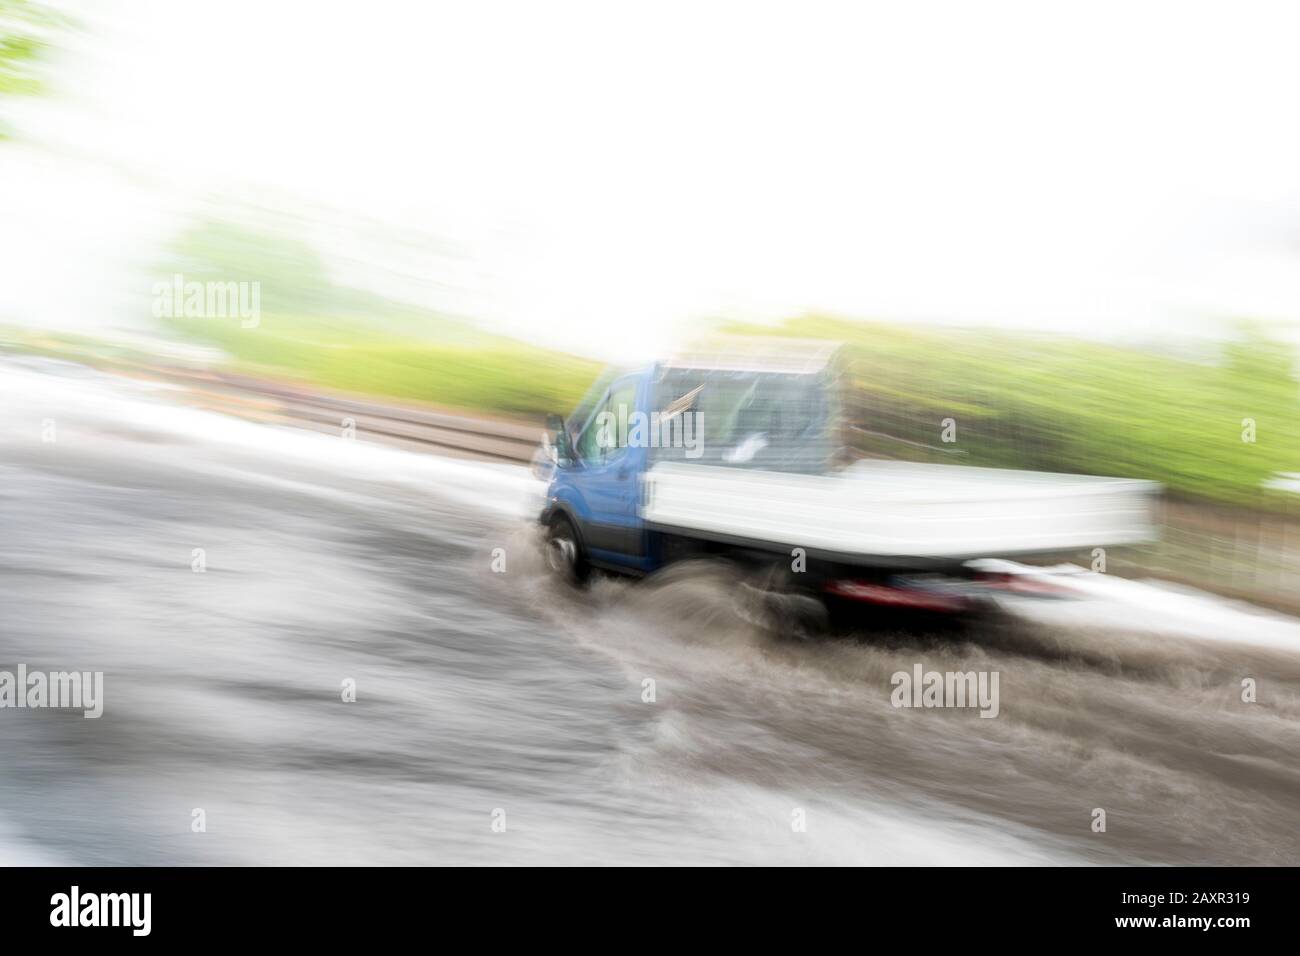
(501, 719)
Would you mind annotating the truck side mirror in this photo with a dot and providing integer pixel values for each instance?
(555, 440)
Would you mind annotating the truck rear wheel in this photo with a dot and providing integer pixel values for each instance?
(788, 614)
(563, 551)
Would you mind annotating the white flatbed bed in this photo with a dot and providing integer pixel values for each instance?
(878, 512)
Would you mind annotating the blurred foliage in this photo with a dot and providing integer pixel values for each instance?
(26, 27)
(294, 280)
(495, 374)
(316, 330)
(1060, 404)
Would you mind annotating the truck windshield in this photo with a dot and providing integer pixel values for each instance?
(766, 420)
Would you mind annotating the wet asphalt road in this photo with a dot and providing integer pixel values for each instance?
(485, 696)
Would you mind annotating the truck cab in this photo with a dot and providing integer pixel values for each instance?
(595, 486)
(776, 414)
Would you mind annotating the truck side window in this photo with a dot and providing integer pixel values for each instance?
(622, 403)
(607, 432)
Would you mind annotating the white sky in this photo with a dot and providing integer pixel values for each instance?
(612, 170)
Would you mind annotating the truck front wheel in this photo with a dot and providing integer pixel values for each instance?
(563, 550)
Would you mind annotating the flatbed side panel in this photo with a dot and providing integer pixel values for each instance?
(922, 515)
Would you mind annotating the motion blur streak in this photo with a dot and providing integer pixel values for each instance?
(329, 560)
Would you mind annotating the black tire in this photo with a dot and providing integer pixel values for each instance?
(563, 552)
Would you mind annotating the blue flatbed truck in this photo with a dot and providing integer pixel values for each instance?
(742, 458)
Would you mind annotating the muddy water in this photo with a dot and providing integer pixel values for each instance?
(1145, 723)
